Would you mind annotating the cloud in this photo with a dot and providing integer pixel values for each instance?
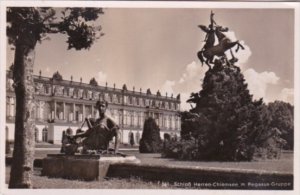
(258, 83)
(47, 69)
(192, 71)
(242, 55)
(190, 81)
(184, 97)
(287, 95)
(102, 77)
(168, 87)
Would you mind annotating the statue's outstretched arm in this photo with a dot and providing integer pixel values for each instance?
(83, 134)
(204, 28)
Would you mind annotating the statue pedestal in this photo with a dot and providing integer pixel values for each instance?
(82, 167)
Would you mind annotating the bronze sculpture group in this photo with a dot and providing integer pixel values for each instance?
(95, 140)
(210, 50)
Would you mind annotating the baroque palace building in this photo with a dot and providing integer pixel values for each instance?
(64, 104)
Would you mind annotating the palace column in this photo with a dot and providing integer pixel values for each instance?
(74, 117)
(92, 115)
(39, 110)
(64, 110)
(83, 112)
(8, 107)
(54, 109)
(11, 106)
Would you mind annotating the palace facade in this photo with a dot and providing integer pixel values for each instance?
(62, 104)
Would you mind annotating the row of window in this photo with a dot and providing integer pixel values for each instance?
(66, 112)
(57, 90)
(110, 97)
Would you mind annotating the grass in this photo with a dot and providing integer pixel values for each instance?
(43, 182)
(285, 164)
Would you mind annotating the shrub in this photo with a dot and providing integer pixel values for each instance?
(184, 149)
(151, 141)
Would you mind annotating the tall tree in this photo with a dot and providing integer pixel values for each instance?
(227, 124)
(282, 114)
(151, 141)
(25, 27)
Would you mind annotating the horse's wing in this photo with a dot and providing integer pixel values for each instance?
(204, 28)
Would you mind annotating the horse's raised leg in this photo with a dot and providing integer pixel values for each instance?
(200, 56)
(233, 58)
(226, 60)
(241, 46)
(207, 63)
(238, 46)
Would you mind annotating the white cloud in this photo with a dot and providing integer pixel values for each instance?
(47, 69)
(168, 87)
(184, 97)
(192, 72)
(259, 82)
(190, 81)
(287, 95)
(242, 55)
(102, 77)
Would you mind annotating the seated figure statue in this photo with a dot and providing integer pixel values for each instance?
(101, 131)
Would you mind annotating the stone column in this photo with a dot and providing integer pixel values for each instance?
(9, 107)
(12, 107)
(64, 110)
(74, 114)
(39, 110)
(54, 109)
(93, 114)
(83, 112)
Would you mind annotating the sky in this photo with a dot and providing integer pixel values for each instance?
(157, 48)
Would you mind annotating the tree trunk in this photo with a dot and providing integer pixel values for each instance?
(23, 154)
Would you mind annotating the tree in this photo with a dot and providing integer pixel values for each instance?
(282, 115)
(226, 123)
(25, 27)
(151, 141)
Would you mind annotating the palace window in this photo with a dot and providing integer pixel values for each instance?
(115, 99)
(125, 117)
(90, 96)
(125, 99)
(142, 101)
(45, 135)
(119, 99)
(120, 117)
(137, 137)
(80, 93)
(36, 135)
(48, 89)
(147, 102)
(130, 99)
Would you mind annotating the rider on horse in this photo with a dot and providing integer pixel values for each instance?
(210, 50)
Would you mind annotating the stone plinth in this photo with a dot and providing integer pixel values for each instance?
(82, 167)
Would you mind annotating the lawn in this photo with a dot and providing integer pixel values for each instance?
(283, 165)
(43, 182)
